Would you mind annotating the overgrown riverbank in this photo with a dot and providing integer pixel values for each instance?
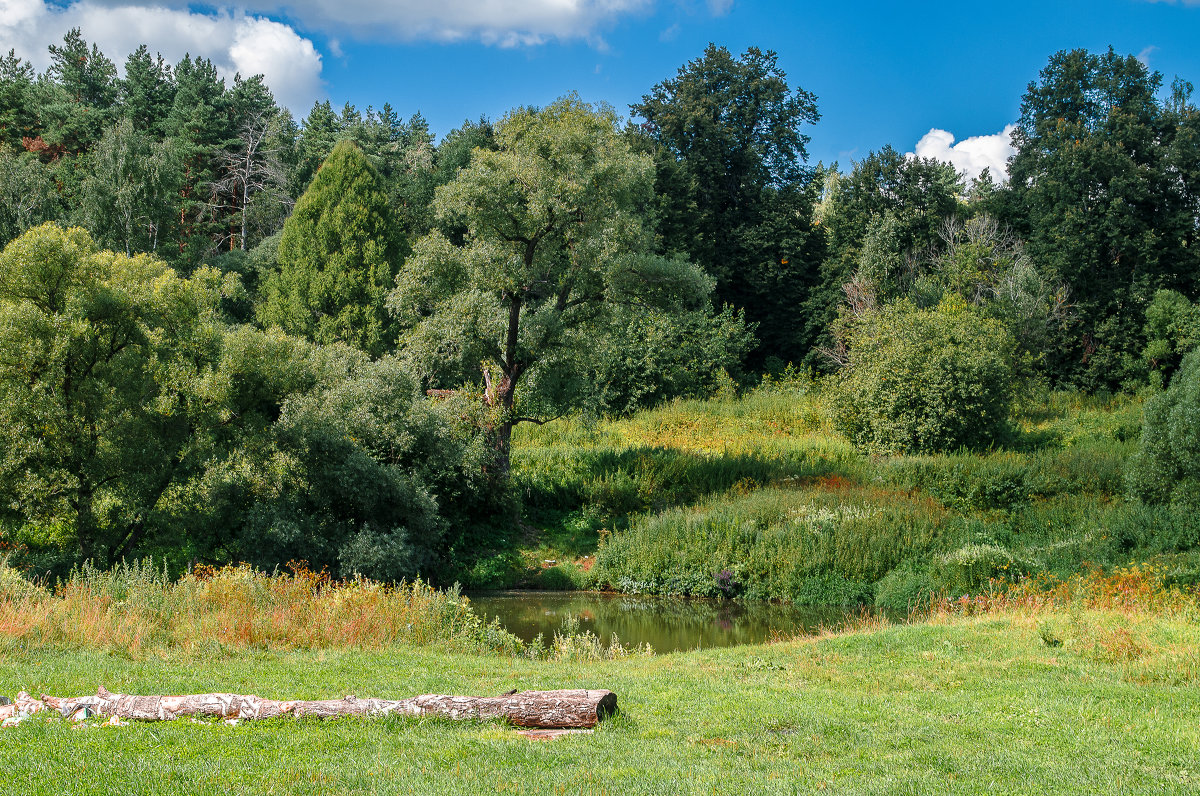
(758, 497)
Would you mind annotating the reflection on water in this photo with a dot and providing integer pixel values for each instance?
(667, 624)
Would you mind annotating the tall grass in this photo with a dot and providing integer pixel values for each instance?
(757, 497)
(135, 609)
(678, 454)
(1136, 588)
(811, 545)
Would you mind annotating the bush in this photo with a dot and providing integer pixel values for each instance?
(1172, 329)
(1166, 466)
(562, 577)
(649, 356)
(966, 571)
(920, 381)
(14, 586)
(965, 482)
(969, 568)
(773, 544)
(500, 571)
(905, 588)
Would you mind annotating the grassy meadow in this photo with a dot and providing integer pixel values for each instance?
(1088, 687)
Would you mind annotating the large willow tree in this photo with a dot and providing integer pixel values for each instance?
(556, 237)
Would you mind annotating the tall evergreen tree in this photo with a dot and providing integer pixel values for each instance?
(79, 102)
(732, 153)
(89, 77)
(337, 258)
(319, 133)
(199, 123)
(18, 100)
(147, 92)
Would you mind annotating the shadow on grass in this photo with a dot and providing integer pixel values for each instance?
(621, 482)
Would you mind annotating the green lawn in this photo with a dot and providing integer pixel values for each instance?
(961, 705)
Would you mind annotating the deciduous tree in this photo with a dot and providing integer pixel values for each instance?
(737, 197)
(556, 235)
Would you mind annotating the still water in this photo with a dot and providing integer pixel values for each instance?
(667, 624)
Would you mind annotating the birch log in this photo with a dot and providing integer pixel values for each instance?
(576, 708)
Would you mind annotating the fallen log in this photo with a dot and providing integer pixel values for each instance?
(566, 709)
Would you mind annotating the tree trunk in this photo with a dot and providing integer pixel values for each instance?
(577, 708)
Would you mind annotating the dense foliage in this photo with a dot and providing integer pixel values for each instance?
(926, 380)
(736, 197)
(337, 258)
(1103, 186)
(556, 237)
(1166, 467)
(227, 335)
(103, 385)
(136, 420)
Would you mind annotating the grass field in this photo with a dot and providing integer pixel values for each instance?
(958, 704)
(1087, 685)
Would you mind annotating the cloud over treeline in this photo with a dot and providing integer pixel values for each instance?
(235, 42)
(971, 155)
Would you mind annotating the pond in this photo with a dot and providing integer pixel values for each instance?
(668, 624)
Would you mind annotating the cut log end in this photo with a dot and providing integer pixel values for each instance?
(606, 706)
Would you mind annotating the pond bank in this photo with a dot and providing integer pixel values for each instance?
(668, 624)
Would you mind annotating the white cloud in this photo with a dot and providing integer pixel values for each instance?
(234, 42)
(505, 23)
(972, 155)
(502, 22)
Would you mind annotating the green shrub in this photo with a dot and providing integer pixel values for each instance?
(561, 577)
(1172, 329)
(501, 571)
(1166, 466)
(810, 547)
(14, 586)
(969, 569)
(926, 380)
(649, 356)
(965, 482)
(1143, 530)
(1096, 467)
(905, 588)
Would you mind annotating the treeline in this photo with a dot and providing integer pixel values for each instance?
(247, 338)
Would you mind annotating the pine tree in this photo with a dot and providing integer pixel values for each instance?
(147, 92)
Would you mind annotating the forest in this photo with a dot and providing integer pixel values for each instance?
(661, 341)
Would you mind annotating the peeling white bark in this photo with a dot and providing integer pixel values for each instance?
(566, 709)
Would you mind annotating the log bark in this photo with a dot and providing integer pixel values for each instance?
(15, 712)
(567, 709)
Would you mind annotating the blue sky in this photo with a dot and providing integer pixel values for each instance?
(884, 73)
